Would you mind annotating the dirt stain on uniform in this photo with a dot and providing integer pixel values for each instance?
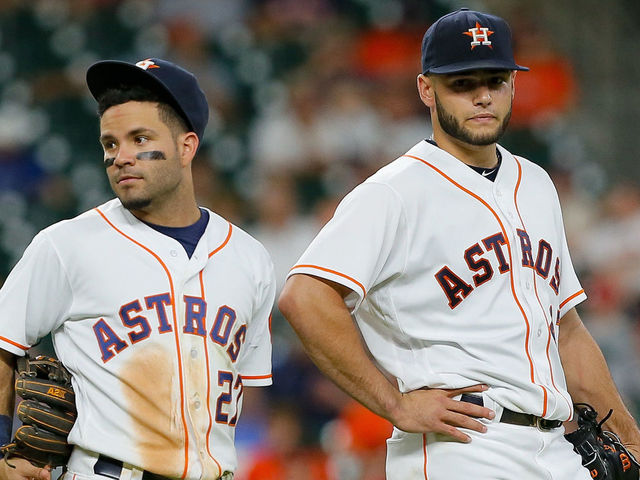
(152, 391)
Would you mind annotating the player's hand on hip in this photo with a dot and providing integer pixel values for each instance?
(23, 470)
(435, 410)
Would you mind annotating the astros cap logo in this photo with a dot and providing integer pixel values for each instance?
(449, 44)
(148, 63)
(480, 36)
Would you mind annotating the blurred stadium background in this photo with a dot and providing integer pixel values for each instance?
(308, 98)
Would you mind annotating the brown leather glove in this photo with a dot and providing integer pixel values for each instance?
(47, 411)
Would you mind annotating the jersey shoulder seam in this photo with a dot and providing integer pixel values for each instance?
(403, 219)
(47, 236)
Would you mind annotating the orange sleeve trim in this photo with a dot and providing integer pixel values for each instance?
(571, 298)
(15, 344)
(175, 327)
(256, 377)
(223, 244)
(328, 270)
(504, 233)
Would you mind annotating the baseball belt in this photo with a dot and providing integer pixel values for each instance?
(516, 418)
(112, 468)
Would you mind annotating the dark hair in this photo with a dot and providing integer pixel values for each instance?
(136, 93)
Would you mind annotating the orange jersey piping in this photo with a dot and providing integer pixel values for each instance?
(508, 243)
(424, 453)
(206, 350)
(548, 321)
(176, 336)
(224, 243)
(535, 286)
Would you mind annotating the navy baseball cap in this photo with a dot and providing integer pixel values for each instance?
(180, 86)
(467, 40)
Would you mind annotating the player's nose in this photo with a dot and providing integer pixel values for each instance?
(483, 95)
(124, 156)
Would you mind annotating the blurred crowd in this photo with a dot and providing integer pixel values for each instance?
(307, 99)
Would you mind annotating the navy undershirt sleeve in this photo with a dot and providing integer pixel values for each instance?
(6, 423)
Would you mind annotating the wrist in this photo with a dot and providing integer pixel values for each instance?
(6, 425)
(394, 408)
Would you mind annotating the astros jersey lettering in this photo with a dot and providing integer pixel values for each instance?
(481, 276)
(145, 331)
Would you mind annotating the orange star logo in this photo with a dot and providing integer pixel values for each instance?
(147, 64)
(479, 36)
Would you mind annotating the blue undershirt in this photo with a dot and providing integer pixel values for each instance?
(488, 173)
(6, 423)
(187, 236)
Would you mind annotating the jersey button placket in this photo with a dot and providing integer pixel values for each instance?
(194, 355)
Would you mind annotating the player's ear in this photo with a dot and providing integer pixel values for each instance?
(425, 90)
(513, 84)
(188, 146)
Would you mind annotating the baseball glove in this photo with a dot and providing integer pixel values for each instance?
(47, 411)
(602, 452)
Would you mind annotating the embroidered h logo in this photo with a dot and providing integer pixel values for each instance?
(479, 36)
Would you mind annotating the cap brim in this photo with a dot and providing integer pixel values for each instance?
(107, 74)
(111, 73)
(480, 65)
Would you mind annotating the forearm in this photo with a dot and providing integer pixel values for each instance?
(317, 312)
(324, 325)
(7, 395)
(589, 380)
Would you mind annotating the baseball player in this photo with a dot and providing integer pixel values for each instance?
(159, 308)
(453, 261)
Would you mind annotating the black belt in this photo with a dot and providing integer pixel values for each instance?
(516, 418)
(112, 468)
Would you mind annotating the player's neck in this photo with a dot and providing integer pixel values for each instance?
(169, 215)
(475, 155)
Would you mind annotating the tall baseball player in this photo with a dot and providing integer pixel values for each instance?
(159, 308)
(453, 262)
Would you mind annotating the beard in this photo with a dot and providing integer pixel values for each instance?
(136, 203)
(454, 128)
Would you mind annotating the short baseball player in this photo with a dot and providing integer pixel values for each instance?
(160, 309)
(453, 262)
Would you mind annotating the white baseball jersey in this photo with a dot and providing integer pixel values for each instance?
(456, 280)
(160, 346)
